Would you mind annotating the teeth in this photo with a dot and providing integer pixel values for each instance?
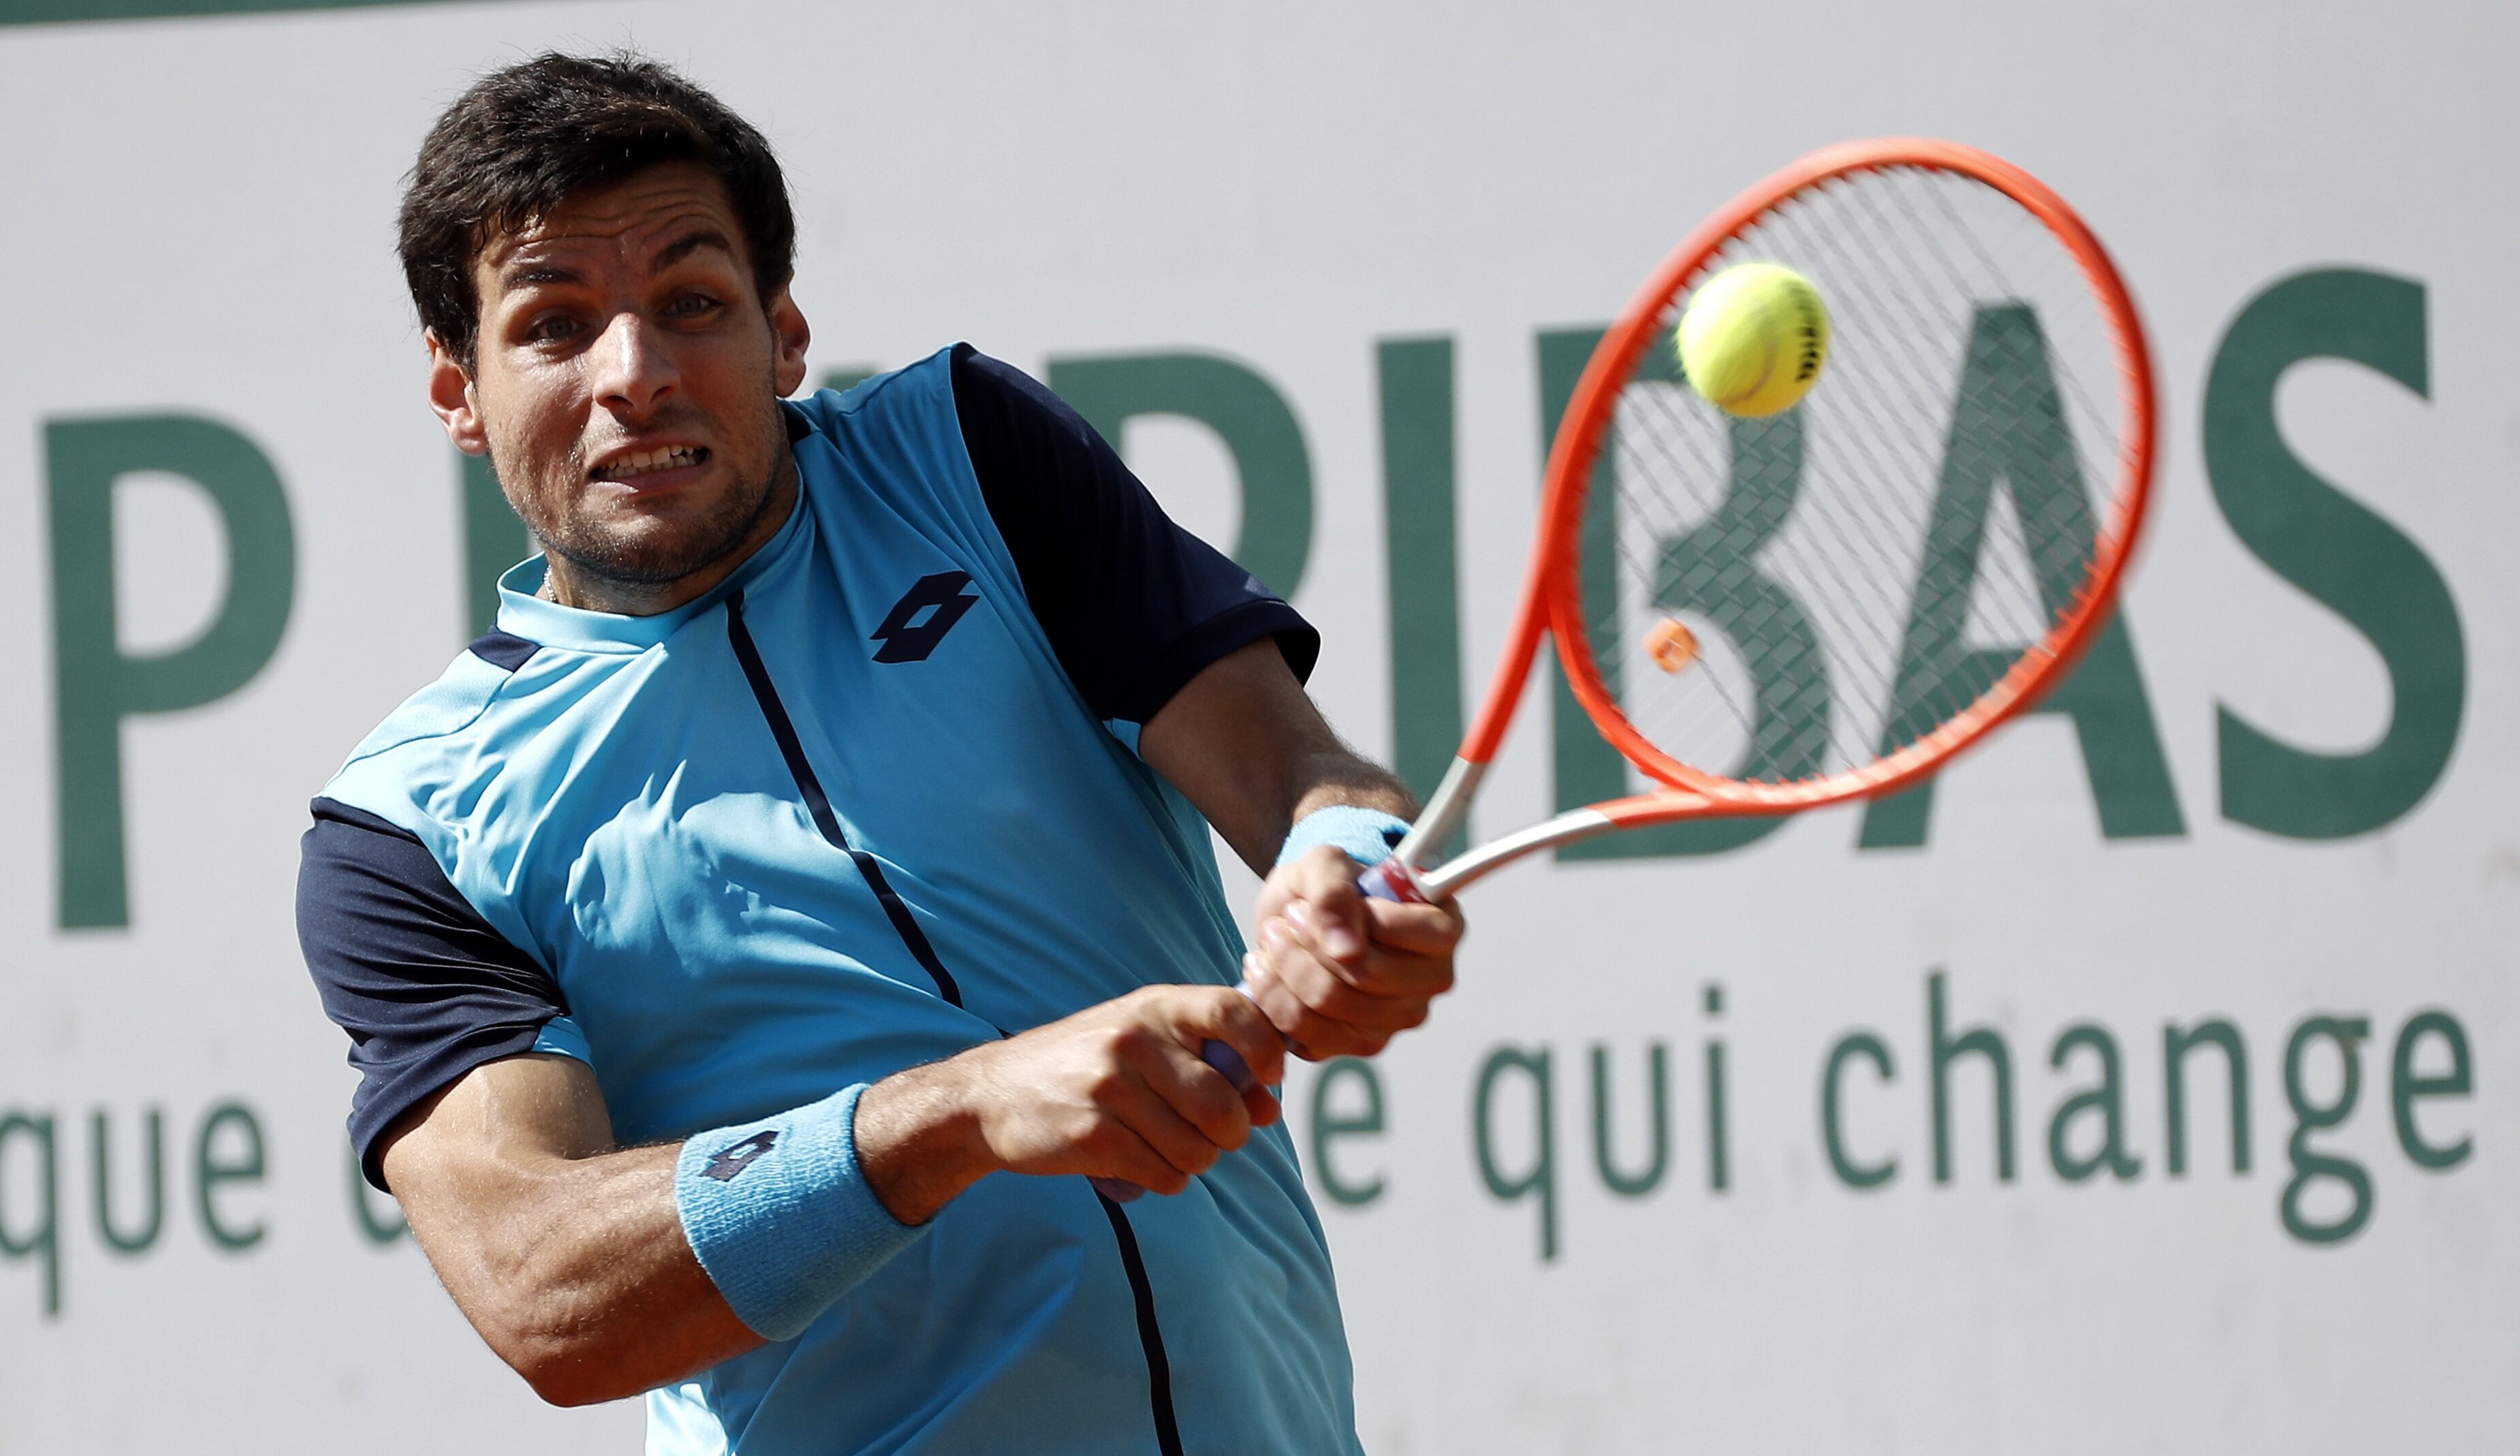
(646, 460)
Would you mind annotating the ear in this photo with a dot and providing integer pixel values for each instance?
(451, 397)
(787, 328)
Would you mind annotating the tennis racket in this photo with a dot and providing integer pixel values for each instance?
(1768, 615)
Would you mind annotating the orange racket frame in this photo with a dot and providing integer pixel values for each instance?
(1551, 604)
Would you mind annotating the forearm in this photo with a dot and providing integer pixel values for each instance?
(598, 1271)
(1306, 780)
(1324, 778)
(919, 1141)
(583, 1280)
(1251, 751)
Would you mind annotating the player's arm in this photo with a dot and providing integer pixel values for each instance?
(1158, 628)
(565, 1252)
(1338, 973)
(597, 1271)
(1243, 741)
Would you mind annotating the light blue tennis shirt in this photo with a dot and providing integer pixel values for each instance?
(633, 802)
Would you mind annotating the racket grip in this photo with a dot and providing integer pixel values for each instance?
(1217, 1054)
(1382, 881)
(1227, 1060)
(1387, 880)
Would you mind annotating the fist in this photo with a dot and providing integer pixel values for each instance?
(1118, 1090)
(1339, 973)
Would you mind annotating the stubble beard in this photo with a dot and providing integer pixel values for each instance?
(635, 559)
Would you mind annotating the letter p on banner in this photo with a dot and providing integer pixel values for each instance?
(95, 684)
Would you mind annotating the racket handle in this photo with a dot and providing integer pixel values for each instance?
(1227, 1060)
(1216, 1054)
(1387, 879)
(1382, 881)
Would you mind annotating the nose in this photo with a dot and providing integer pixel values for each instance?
(629, 371)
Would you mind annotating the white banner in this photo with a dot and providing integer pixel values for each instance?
(2146, 1092)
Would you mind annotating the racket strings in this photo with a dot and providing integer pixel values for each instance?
(1889, 404)
(1859, 570)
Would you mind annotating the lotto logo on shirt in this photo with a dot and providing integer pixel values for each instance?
(919, 620)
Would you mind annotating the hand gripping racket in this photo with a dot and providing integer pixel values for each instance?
(1768, 615)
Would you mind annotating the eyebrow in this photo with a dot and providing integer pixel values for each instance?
(675, 252)
(691, 244)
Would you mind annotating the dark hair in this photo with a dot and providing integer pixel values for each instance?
(523, 139)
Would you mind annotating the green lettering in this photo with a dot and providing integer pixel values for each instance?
(49, 12)
(1982, 1041)
(43, 1240)
(96, 686)
(1719, 1146)
(1540, 1180)
(2406, 1085)
(100, 1133)
(1245, 410)
(1658, 1117)
(1422, 556)
(1832, 1124)
(211, 1170)
(390, 1229)
(2339, 552)
(2106, 1101)
(1330, 1125)
(2176, 1044)
(1708, 570)
(2308, 1165)
(494, 540)
(2008, 424)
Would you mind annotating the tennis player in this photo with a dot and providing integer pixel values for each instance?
(752, 947)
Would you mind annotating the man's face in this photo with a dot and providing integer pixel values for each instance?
(626, 381)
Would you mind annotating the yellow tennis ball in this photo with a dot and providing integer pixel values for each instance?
(1753, 338)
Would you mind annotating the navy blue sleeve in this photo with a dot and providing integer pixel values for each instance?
(1134, 606)
(426, 989)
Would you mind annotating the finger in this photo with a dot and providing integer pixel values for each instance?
(1297, 931)
(1201, 1096)
(1221, 1014)
(1117, 1150)
(1423, 929)
(1326, 902)
(1329, 992)
(1379, 972)
(1354, 1042)
(1152, 1116)
(1312, 1036)
(1395, 973)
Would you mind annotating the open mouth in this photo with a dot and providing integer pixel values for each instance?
(649, 461)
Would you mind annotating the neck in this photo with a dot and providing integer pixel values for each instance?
(571, 584)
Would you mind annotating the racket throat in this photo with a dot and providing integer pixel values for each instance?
(1443, 813)
(1452, 876)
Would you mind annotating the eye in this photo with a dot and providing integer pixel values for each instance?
(692, 306)
(551, 329)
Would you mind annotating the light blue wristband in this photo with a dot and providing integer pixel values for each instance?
(1366, 835)
(781, 1215)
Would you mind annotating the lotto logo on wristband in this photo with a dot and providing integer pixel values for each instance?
(733, 1159)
